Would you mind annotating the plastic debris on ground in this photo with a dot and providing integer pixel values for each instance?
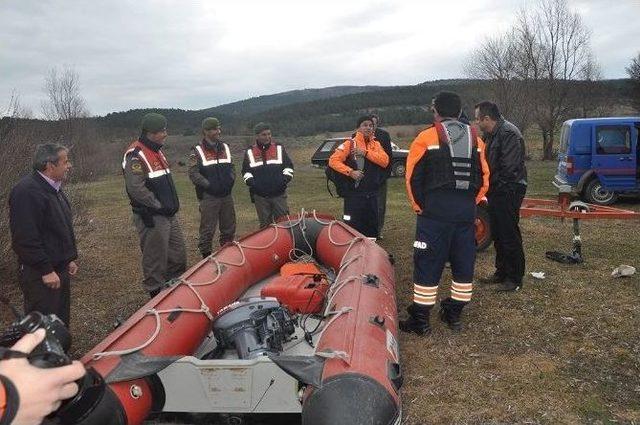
(623, 270)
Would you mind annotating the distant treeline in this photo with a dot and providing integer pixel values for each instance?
(334, 109)
(293, 114)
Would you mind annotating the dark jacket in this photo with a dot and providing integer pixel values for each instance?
(41, 225)
(505, 155)
(148, 180)
(211, 169)
(383, 136)
(267, 169)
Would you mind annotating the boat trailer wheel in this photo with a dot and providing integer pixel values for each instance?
(579, 206)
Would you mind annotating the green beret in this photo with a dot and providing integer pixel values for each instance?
(153, 123)
(210, 123)
(260, 127)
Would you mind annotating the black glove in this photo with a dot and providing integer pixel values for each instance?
(250, 182)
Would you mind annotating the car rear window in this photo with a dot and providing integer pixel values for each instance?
(327, 146)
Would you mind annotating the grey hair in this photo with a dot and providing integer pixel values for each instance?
(45, 153)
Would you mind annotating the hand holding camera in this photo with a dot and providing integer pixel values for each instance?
(41, 390)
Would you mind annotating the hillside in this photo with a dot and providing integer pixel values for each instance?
(232, 114)
(314, 111)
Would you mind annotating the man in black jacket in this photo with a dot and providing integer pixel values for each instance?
(42, 234)
(213, 174)
(267, 170)
(508, 185)
(382, 136)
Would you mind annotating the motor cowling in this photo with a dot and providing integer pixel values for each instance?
(254, 326)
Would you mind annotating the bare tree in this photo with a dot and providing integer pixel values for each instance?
(16, 135)
(497, 60)
(591, 98)
(633, 70)
(533, 67)
(64, 101)
(556, 50)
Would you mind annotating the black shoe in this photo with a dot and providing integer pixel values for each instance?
(453, 323)
(450, 311)
(494, 279)
(418, 321)
(509, 286)
(416, 326)
(206, 254)
(154, 292)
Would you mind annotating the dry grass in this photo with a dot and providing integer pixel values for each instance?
(564, 350)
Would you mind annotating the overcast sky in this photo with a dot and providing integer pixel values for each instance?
(184, 54)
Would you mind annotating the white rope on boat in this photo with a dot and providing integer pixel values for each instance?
(204, 309)
(331, 354)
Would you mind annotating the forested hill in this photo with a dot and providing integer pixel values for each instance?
(259, 104)
(233, 115)
(313, 111)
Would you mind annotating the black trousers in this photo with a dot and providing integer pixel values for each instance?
(504, 213)
(39, 297)
(382, 205)
(361, 213)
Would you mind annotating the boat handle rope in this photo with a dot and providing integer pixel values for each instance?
(333, 292)
(331, 354)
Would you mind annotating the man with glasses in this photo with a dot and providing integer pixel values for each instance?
(505, 154)
(42, 234)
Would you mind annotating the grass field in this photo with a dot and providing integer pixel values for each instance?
(563, 350)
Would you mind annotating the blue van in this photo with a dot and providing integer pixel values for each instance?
(598, 158)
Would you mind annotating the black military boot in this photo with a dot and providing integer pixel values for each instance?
(418, 320)
(450, 311)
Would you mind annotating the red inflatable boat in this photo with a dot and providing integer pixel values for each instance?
(341, 364)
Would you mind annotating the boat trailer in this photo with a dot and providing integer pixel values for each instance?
(562, 208)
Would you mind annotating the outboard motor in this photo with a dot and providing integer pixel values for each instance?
(255, 326)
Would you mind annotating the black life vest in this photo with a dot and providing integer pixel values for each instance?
(454, 163)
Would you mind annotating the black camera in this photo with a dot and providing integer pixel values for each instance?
(52, 351)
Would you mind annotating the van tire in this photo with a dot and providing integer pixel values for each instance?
(398, 168)
(595, 194)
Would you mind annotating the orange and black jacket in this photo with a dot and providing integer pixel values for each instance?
(445, 180)
(9, 399)
(375, 162)
(211, 169)
(147, 155)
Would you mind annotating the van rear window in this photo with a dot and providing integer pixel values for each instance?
(564, 137)
(613, 140)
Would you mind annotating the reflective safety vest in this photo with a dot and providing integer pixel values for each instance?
(158, 178)
(270, 168)
(214, 163)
